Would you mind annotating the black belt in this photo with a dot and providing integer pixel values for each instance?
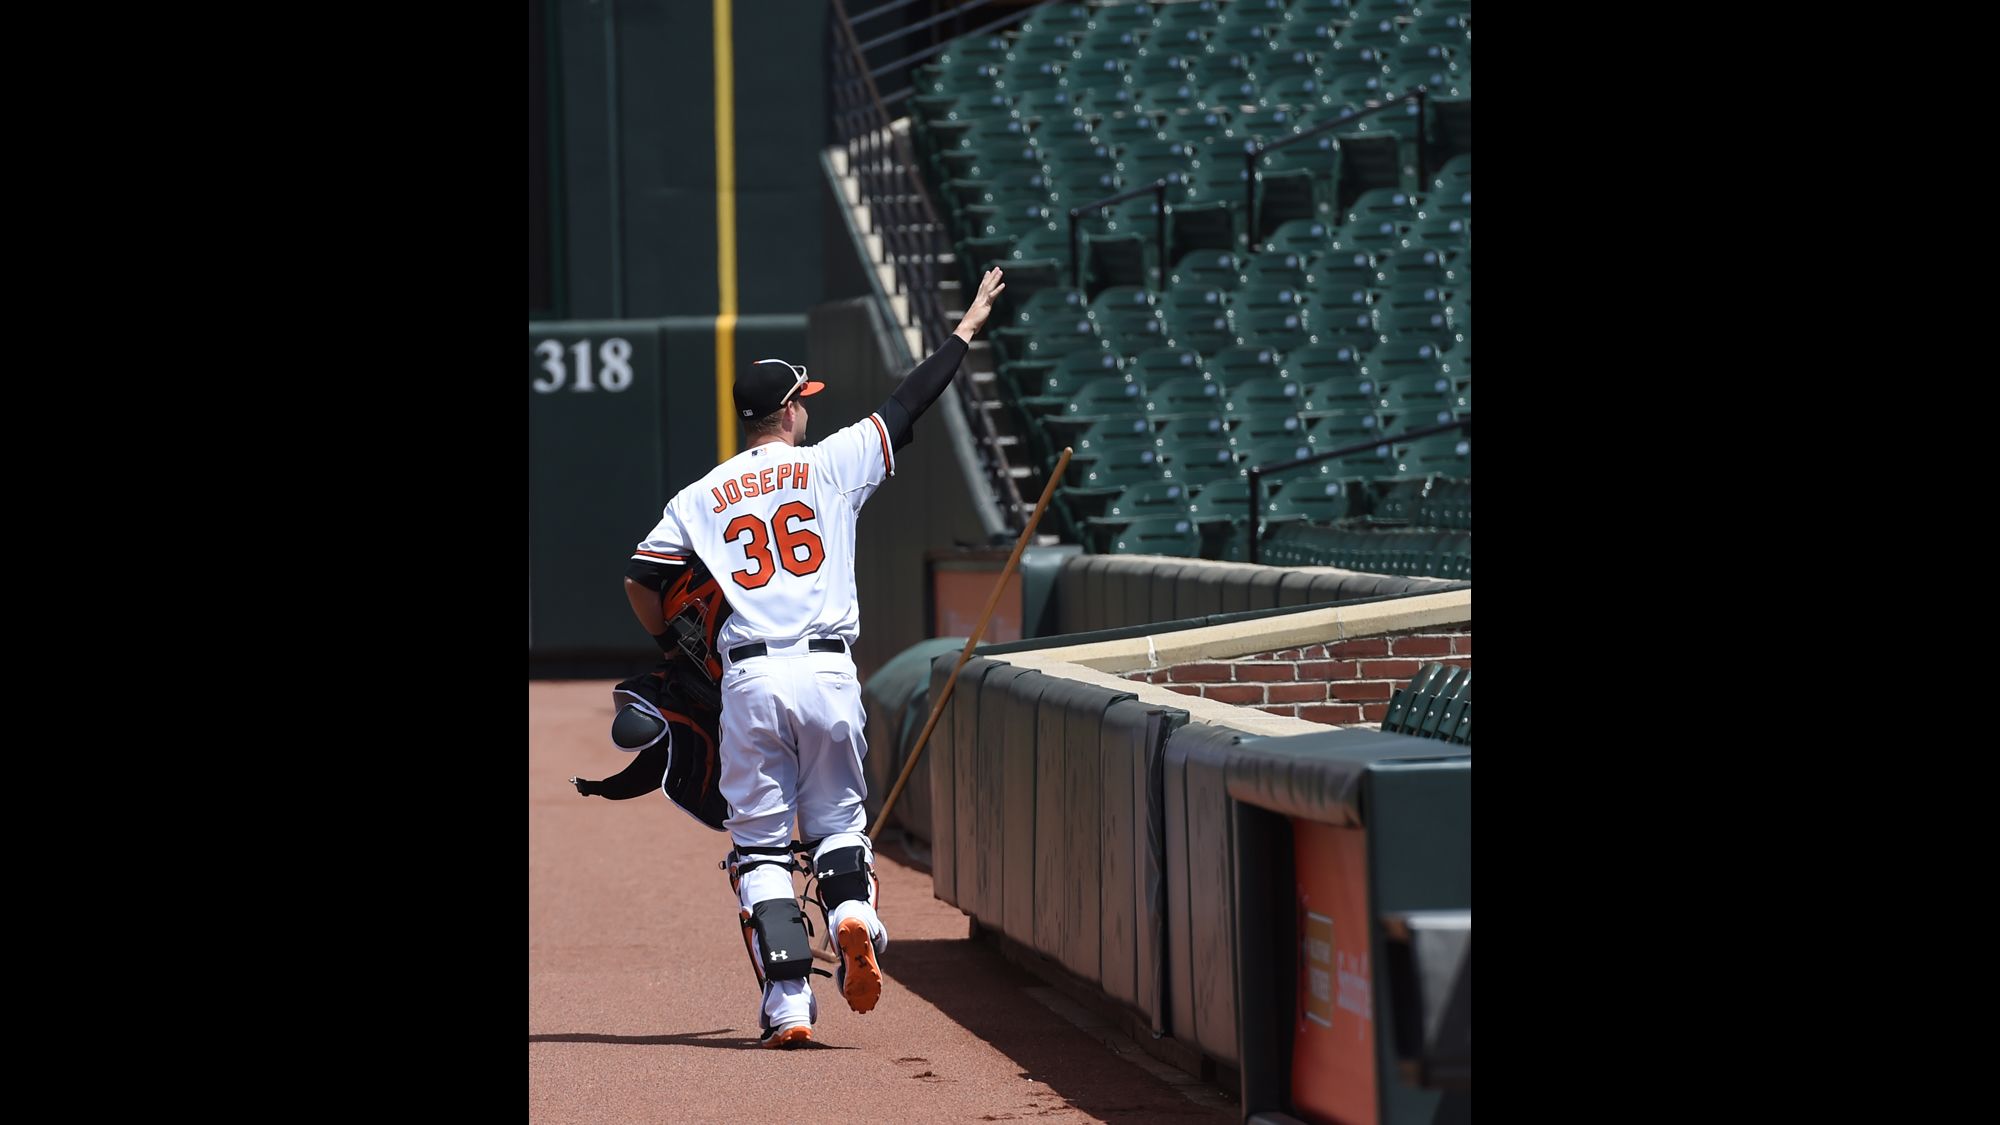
(756, 648)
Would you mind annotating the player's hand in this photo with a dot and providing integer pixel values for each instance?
(990, 287)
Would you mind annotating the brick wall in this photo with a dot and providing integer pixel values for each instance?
(1341, 683)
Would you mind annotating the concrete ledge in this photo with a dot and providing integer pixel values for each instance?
(1249, 720)
(1226, 642)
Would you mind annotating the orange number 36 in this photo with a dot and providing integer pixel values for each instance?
(800, 550)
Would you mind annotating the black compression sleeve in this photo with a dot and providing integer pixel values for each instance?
(646, 574)
(922, 386)
(898, 421)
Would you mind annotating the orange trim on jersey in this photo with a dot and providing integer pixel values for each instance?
(884, 434)
(658, 555)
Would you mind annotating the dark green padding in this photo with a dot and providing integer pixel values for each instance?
(965, 702)
(1017, 807)
(944, 808)
(989, 817)
(1202, 1010)
(1051, 841)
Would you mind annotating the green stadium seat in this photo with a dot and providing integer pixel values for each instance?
(1276, 265)
(1407, 705)
(1059, 305)
(1221, 511)
(1048, 340)
(1068, 378)
(1094, 478)
(1283, 60)
(1217, 269)
(1448, 453)
(1409, 372)
(1109, 437)
(1264, 408)
(1139, 15)
(1072, 145)
(1158, 535)
(1199, 129)
(1448, 234)
(1283, 329)
(1453, 715)
(1291, 92)
(1162, 60)
(1454, 173)
(1434, 699)
(1045, 104)
(1114, 42)
(1129, 129)
(1248, 38)
(1098, 75)
(1320, 499)
(1322, 362)
(1231, 94)
(1204, 332)
(1304, 237)
(1328, 431)
(1048, 17)
(1138, 501)
(1372, 30)
(1383, 212)
(1337, 322)
(1198, 14)
(1200, 464)
(1096, 402)
(1416, 313)
(1220, 62)
(1121, 300)
(1197, 429)
(1103, 97)
(1231, 366)
(1100, 483)
(1186, 396)
(1130, 332)
(1262, 12)
(1271, 293)
(1057, 44)
(1416, 267)
(1303, 35)
(1194, 297)
(1319, 13)
(1341, 281)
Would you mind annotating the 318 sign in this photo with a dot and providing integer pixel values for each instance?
(573, 366)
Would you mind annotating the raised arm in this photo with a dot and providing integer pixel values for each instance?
(927, 381)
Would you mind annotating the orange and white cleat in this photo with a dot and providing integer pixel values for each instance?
(787, 1037)
(860, 975)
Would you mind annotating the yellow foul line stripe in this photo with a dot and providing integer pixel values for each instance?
(725, 232)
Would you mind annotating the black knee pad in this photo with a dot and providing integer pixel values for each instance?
(843, 877)
(781, 932)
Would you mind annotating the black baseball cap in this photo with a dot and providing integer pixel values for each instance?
(768, 384)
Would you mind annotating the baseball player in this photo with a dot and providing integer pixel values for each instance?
(775, 524)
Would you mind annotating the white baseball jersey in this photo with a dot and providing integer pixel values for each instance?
(775, 525)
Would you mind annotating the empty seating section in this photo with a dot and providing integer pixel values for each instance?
(1340, 322)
